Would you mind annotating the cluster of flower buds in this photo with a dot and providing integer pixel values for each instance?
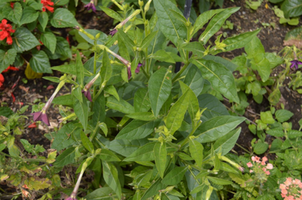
(260, 168)
(291, 189)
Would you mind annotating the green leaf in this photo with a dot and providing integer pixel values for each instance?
(111, 13)
(141, 100)
(6, 111)
(202, 19)
(61, 2)
(217, 59)
(254, 47)
(122, 105)
(193, 78)
(137, 129)
(219, 181)
(216, 127)
(86, 142)
(176, 114)
(196, 151)
(171, 27)
(147, 40)
(49, 40)
(126, 147)
(14, 14)
(40, 62)
(107, 155)
(239, 41)
(293, 134)
(220, 78)
(99, 111)
(162, 55)
(66, 136)
(174, 176)
(267, 117)
(260, 147)
(226, 143)
(79, 69)
(283, 115)
(213, 106)
(193, 106)
(110, 175)
(65, 100)
(276, 132)
(153, 189)
(29, 15)
(196, 47)
(292, 8)
(24, 40)
(160, 85)
(144, 153)
(216, 23)
(63, 18)
(63, 48)
(7, 58)
(160, 154)
(106, 69)
(65, 158)
(103, 193)
(143, 116)
(81, 110)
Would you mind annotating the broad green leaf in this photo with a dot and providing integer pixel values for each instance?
(213, 106)
(171, 27)
(174, 176)
(293, 134)
(6, 112)
(283, 115)
(49, 40)
(216, 23)
(141, 100)
(66, 68)
(66, 136)
(81, 110)
(79, 69)
(123, 51)
(65, 158)
(111, 13)
(226, 143)
(103, 193)
(24, 40)
(65, 100)
(111, 90)
(219, 76)
(219, 181)
(160, 85)
(193, 78)
(231, 66)
(160, 154)
(239, 41)
(153, 189)
(7, 58)
(106, 69)
(29, 15)
(216, 127)
(267, 117)
(98, 110)
(144, 153)
(143, 116)
(101, 40)
(43, 20)
(292, 8)
(176, 114)
(40, 62)
(193, 106)
(254, 47)
(62, 48)
(196, 47)
(107, 155)
(196, 151)
(276, 132)
(163, 56)
(86, 142)
(110, 175)
(147, 40)
(63, 18)
(202, 19)
(126, 147)
(137, 129)
(13, 14)
(260, 147)
(128, 41)
(122, 105)
(61, 2)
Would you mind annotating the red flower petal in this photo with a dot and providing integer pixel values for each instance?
(33, 125)
(1, 78)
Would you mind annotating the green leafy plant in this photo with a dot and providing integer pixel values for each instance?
(31, 24)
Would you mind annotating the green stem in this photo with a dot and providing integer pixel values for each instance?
(180, 72)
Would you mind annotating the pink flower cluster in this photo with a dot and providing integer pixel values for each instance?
(291, 189)
(256, 159)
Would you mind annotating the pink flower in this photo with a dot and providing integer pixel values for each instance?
(282, 186)
(251, 171)
(249, 164)
(288, 181)
(256, 159)
(284, 191)
(264, 159)
(269, 166)
(267, 173)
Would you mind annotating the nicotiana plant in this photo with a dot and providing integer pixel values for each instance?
(143, 130)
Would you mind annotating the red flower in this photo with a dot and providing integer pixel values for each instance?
(12, 5)
(10, 68)
(5, 30)
(33, 125)
(46, 5)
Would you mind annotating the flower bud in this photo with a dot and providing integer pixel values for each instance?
(147, 6)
